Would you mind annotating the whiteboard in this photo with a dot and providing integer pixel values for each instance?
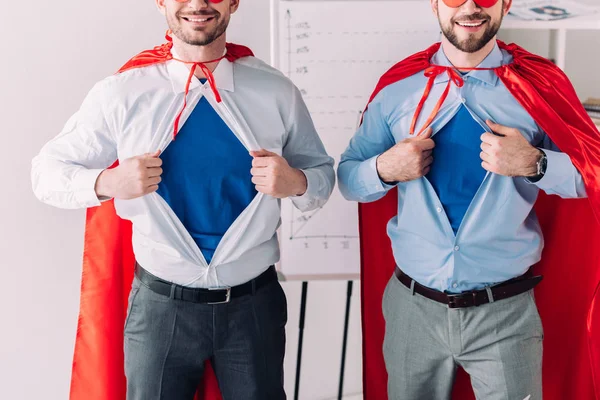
(335, 52)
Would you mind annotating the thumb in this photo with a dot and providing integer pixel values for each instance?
(427, 134)
(500, 129)
(153, 155)
(263, 153)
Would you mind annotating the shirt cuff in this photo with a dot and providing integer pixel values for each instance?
(558, 170)
(313, 188)
(367, 173)
(84, 187)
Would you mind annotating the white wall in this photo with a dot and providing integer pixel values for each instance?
(54, 51)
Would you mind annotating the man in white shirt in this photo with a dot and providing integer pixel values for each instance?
(205, 207)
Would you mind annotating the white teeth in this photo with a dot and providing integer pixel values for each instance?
(470, 25)
(198, 20)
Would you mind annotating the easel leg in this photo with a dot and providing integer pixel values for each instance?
(300, 337)
(345, 341)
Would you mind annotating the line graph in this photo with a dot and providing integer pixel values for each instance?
(302, 220)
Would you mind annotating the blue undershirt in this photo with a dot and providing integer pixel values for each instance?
(456, 172)
(206, 177)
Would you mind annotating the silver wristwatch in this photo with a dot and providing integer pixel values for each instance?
(541, 166)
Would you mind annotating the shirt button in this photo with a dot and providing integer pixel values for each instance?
(455, 285)
(463, 100)
(439, 209)
(456, 248)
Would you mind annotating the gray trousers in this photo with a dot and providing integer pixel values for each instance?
(498, 344)
(167, 342)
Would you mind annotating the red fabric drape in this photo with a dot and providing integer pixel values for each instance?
(569, 296)
(108, 262)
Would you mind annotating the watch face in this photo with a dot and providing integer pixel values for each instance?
(542, 164)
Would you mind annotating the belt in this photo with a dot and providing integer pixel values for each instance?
(200, 295)
(473, 298)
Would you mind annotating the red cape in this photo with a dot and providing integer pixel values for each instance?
(108, 262)
(568, 299)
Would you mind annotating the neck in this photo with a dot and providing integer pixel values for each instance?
(200, 54)
(459, 58)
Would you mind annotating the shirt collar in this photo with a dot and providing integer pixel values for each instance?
(179, 73)
(493, 60)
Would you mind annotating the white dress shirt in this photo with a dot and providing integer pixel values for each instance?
(133, 113)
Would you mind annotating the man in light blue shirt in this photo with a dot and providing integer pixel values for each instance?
(465, 221)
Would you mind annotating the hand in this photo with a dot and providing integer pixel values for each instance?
(408, 160)
(133, 178)
(509, 154)
(272, 175)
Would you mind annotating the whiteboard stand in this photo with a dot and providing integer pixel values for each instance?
(350, 285)
(345, 340)
(300, 338)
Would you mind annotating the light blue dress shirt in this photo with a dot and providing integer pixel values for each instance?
(499, 237)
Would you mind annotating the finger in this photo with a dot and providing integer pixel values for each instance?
(428, 161)
(261, 162)
(427, 134)
(263, 153)
(262, 171)
(487, 166)
(485, 146)
(489, 138)
(426, 170)
(500, 129)
(153, 181)
(152, 162)
(485, 157)
(427, 153)
(154, 171)
(262, 189)
(426, 144)
(259, 180)
(154, 155)
(151, 189)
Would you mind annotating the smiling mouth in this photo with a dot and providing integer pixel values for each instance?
(470, 24)
(198, 19)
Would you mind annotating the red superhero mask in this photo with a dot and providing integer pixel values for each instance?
(480, 3)
(210, 1)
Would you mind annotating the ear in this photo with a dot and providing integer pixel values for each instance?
(434, 7)
(160, 4)
(507, 6)
(233, 6)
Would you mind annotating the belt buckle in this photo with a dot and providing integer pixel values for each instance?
(452, 301)
(227, 296)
